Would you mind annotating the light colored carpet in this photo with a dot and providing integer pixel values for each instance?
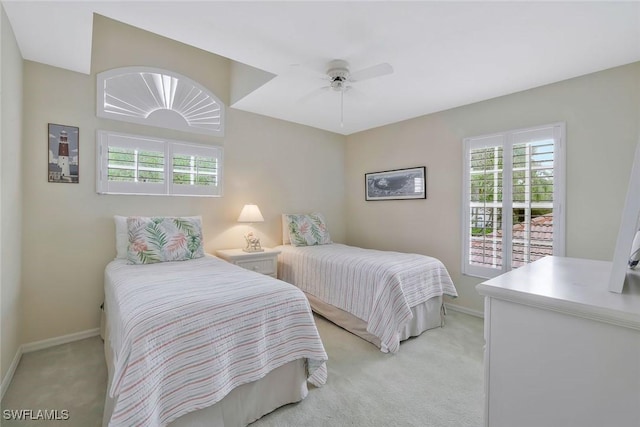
(69, 377)
(435, 379)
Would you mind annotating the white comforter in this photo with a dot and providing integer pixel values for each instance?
(379, 287)
(184, 334)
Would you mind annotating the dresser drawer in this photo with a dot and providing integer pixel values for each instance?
(264, 266)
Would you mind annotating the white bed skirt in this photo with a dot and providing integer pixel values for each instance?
(245, 404)
(427, 315)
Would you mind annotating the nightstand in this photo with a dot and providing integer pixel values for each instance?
(265, 262)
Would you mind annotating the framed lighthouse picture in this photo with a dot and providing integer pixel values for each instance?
(63, 153)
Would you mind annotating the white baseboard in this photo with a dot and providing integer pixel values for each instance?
(9, 376)
(41, 345)
(51, 342)
(464, 310)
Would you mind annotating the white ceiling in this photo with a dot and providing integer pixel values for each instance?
(444, 54)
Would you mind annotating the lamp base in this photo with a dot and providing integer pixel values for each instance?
(253, 243)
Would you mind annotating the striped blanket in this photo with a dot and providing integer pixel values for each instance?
(184, 334)
(379, 287)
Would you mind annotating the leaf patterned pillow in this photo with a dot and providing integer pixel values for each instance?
(308, 230)
(162, 239)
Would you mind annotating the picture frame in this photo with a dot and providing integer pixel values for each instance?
(396, 184)
(63, 153)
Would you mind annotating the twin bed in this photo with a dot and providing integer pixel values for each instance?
(383, 297)
(200, 341)
(205, 342)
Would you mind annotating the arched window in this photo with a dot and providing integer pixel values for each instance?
(161, 98)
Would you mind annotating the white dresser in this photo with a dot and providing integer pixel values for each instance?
(561, 349)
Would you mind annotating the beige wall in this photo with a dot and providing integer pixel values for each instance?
(68, 228)
(601, 112)
(284, 167)
(10, 194)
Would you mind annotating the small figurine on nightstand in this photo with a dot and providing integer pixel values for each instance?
(253, 243)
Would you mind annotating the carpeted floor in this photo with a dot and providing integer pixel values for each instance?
(435, 379)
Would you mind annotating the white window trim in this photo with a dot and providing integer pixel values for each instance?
(507, 139)
(168, 147)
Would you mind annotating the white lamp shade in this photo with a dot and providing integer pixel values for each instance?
(250, 213)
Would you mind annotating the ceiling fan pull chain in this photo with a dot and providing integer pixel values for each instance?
(342, 108)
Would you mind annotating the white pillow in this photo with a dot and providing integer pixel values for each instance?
(122, 236)
(285, 230)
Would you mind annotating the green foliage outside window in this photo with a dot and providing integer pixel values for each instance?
(532, 183)
(195, 170)
(127, 164)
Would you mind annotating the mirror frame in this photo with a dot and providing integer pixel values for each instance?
(628, 227)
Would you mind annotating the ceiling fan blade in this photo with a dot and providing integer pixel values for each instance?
(314, 94)
(357, 95)
(371, 72)
(307, 71)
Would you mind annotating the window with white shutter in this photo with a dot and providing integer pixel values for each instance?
(196, 169)
(157, 97)
(513, 199)
(131, 164)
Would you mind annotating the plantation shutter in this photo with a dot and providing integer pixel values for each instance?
(196, 170)
(131, 164)
(484, 225)
(514, 188)
(533, 190)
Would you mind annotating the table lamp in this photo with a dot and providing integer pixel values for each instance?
(251, 214)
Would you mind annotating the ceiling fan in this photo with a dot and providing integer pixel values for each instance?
(340, 79)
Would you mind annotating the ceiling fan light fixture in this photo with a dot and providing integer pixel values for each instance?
(338, 84)
(338, 75)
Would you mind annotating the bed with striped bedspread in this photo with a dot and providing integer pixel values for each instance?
(184, 334)
(378, 287)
